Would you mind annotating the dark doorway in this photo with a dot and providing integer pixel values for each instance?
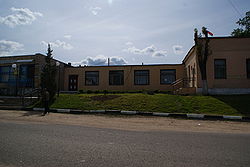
(73, 82)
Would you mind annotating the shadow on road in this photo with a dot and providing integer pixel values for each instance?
(32, 113)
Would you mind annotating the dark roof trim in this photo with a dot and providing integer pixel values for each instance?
(225, 37)
(16, 56)
(129, 65)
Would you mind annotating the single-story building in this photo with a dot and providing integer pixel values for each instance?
(23, 73)
(228, 66)
(228, 72)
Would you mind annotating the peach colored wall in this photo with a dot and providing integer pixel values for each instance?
(235, 51)
(191, 69)
(154, 77)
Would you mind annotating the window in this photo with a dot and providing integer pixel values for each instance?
(116, 77)
(141, 77)
(248, 68)
(5, 74)
(92, 78)
(220, 69)
(26, 75)
(189, 74)
(168, 76)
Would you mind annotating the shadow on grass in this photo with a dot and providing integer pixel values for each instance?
(241, 103)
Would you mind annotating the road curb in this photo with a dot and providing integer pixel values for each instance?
(113, 111)
(173, 115)
(160, 114)
(129, 112)
(196, 116)
(38, 109)
(97, 111)
(232, 117)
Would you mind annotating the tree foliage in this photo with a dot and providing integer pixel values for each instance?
(48, 76)
(202, 52)
(244, 30)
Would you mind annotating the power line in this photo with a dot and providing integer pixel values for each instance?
(231, 3)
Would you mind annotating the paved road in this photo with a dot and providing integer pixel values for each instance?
(33, 144)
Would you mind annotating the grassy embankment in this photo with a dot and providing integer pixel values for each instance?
(222, 105)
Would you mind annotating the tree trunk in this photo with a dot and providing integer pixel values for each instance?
(204, 87)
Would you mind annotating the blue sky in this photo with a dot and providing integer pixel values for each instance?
(127, 31)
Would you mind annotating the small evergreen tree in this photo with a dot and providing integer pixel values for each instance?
(244, 31)
(48, 76)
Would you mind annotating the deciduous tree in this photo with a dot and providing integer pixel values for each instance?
(244, 30)
(202, 52)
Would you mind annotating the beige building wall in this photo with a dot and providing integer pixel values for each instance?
(191, 69)
(235, 51)
(154, 77)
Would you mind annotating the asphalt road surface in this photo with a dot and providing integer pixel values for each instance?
(44, 144)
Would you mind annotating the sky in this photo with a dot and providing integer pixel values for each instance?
(88, 32)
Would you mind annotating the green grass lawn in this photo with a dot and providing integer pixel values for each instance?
(223, 105)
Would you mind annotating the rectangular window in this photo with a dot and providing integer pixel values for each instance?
(5, 72)
(248, 68)
(141, 77)
(26, 75)
(116, 77)
(220, 69)
(92, 78)
(168, 76)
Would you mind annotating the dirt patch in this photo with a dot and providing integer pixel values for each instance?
(104, 97)
(122, 122)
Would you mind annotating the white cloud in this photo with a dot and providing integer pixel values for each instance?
(100, 60)
(67, 36)
(150, 50)
(59, 44)
(95, 10)
(96, 61)
(134, 50)
(110, 2)
(117, 61)
(178, 49)
(20, 16)
(129, 43)
(9, 47)
(160, 53)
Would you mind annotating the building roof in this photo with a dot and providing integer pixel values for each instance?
(127, 65)
(21, 55)
(28, 60)
(211, 38)
(188, 54)
(225, 37)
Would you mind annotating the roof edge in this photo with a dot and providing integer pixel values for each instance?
(188, 54)
(224, 37)
(128, 65)
(23, 55)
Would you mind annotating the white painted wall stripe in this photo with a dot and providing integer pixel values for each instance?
(232, 117)
(129, 112)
